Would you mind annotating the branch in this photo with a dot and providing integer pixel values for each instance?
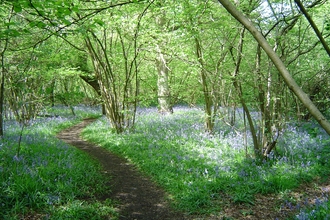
(75, 21)
(290, 82)
(311, 22)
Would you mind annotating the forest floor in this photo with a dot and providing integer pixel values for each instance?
(140, 198)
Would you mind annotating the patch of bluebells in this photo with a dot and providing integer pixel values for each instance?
(37, 152)
(185, 129)
(180, 139)
(320, 210)
(44, 165)
(178, 144)
(186, 126)
(301, 148)
(300, 140)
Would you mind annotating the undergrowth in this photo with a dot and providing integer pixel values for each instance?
(198, 170)
(48, 179)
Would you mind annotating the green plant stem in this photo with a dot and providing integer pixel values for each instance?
(20, 140)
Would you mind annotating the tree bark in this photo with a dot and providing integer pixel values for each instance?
(3, 72)
(2, 87)
(290, 82)
(164, 95)
(237, 85)
(209, 122)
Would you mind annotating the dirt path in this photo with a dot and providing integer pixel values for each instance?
(139, 198)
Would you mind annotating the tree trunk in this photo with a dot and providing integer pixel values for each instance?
(290, 82)
(52, 93)
(2, 86)
(209, 118)
(237, 85)
(92, 81)
(164, 95)
(313, 25)
(106, 82)
(266, 136)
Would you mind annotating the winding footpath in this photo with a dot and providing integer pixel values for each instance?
(138, 197)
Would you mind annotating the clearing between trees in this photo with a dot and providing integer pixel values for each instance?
(139, 197)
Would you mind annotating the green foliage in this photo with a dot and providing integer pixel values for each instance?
(198, 170)
(48, 177)
(86, 210)
(65, 22)
(319, 211)
(42, 67)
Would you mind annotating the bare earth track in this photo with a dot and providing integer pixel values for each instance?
(139, 198)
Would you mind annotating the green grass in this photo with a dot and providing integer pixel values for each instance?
(83, 210)
(320, 211)
(198, 170)
(48, 178)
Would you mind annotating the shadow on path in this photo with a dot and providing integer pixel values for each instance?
(139, 198)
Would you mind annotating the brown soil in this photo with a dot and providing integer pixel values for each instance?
(139, 198)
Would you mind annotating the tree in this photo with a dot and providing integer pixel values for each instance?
(17, 59)
(164, 93)
(278, 63)
(114, 52)
(312, 23)
(4, 38)
(210, 50)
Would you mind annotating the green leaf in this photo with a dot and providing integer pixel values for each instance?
(10, 24)
(41, 25)
(12, 33)
(66, 22)
(327, 27)
(38, 24)
(64, 11)
(33, 23)
(75, 9)
(99, 22)
(17, 8)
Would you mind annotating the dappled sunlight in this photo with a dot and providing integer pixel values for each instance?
(201, 172)
(195, 166)
(46, 173)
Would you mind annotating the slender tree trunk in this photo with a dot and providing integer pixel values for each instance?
(164, 95)
(313, 25)
(237, 85)
(3, 73)
(106, 81)
(266, 136)
(2, 86)
(209, 122)
(52, 93)
(261, 97)
(290, 82)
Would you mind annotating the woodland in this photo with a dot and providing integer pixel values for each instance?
(252, 70)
